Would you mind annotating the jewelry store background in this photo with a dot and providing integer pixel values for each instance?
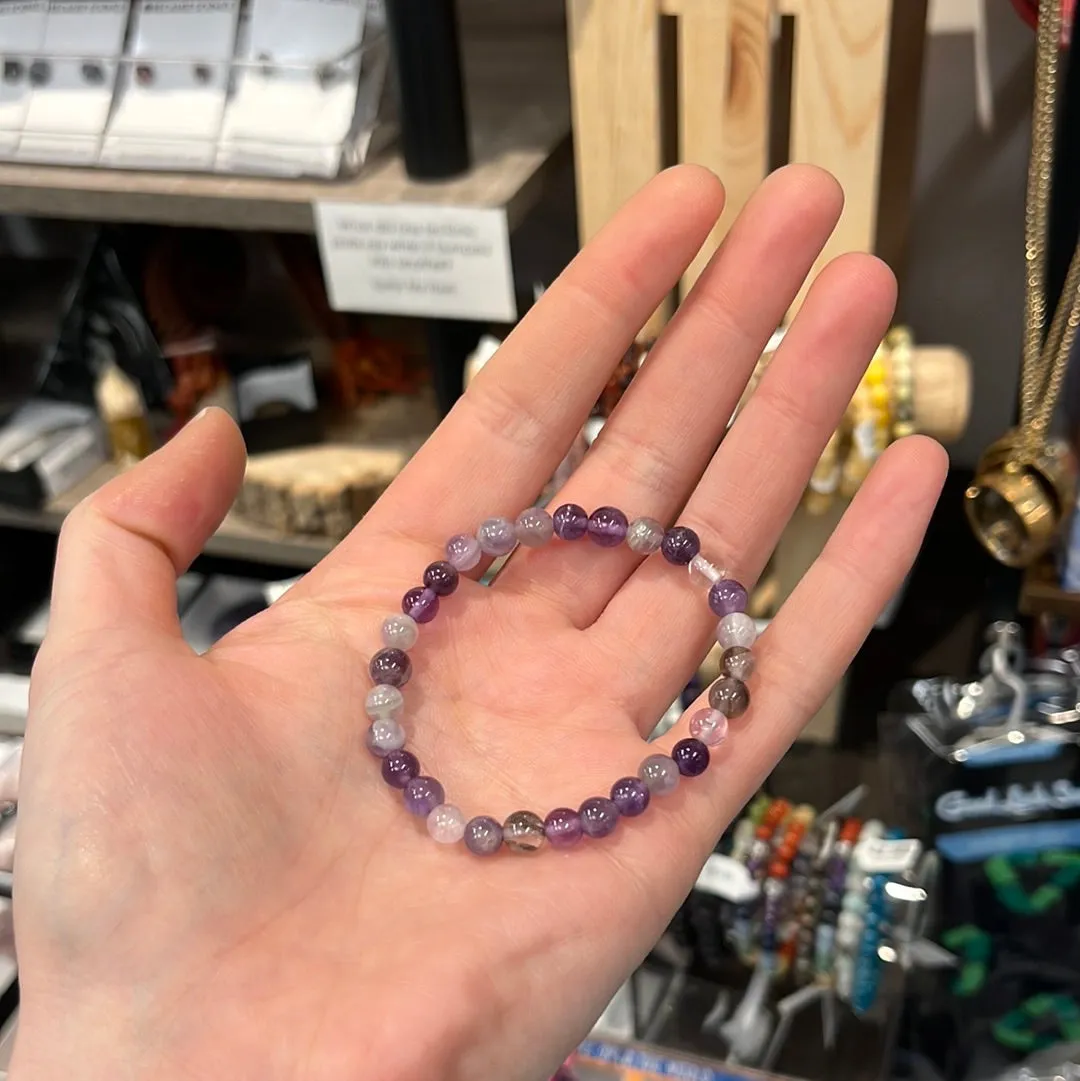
(902, 898)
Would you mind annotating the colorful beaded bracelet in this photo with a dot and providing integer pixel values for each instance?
(658, 775)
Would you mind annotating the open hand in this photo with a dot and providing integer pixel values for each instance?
(212, 879)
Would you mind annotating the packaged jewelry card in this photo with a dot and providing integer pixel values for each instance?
(171, 95)
(22, 30)
(70, 98)
(296, 89)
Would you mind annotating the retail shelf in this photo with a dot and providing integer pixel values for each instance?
(236, 539)
(519, 115)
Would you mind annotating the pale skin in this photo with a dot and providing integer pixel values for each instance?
(213, 881)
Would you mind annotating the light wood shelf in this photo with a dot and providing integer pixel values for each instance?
(519, 116)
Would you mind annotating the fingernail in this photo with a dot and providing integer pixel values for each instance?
(201, 413)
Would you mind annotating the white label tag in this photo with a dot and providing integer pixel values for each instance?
(418, 260)
(888, 857)
(727, 878)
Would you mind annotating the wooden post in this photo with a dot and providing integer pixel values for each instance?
(614, 77)
(838, 106)
(724, 100)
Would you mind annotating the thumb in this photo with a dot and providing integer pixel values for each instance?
(122, 548)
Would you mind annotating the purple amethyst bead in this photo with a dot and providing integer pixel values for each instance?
(483, 835)
(599, 816)
(691, 756)
(399, 768)
(563, 827)
(607, 527)
(630, 795)
(571, 522)
(727, 596)
(391, 666)
(441, 578)
(421, 604)
(680, 545)
(423, 795)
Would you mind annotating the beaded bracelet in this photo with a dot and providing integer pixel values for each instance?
(835, 879)
(776, 885)
(853, 910)
(757, 863)
(658, 775)
(820, 847)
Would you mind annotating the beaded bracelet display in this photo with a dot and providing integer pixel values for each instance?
(658, 775)
(757, 864)
(836, 870)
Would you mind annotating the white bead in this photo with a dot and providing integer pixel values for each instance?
(702, 572)
(400, 631)
(383, 701)
(736, 629)
(385, 735)
(446, 824)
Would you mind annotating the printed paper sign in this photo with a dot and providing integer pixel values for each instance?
(406, 259)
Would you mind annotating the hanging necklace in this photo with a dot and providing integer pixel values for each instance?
(658, 775)
(1024, 485)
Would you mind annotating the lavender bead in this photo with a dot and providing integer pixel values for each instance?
(727, 596)
(534, 527)
(644, 536)
(421, 604)
(680, 545)
(570, 522)
(384, 735)
(739, 662)
(463, 552)
(423, 795)
(729, 696)
(710, 726)
(399, 632)
(399, 768)
(383, 701)
(390, 666)
(691, 756)
(630, 795)
(563, 827)
(483, 835)
(441, 578)
(660, 774)
(599, 816)
(497, 536)
(446, 824)
(607, 527)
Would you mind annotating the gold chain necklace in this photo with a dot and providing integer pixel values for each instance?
(1024, 486)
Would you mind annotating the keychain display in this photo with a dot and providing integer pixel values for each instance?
(989, 771)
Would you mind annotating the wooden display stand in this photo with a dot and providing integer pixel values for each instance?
(832, 102)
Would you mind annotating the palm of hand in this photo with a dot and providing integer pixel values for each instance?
(226, 879)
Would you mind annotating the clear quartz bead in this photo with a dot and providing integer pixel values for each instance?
(736, 629)
(703, 573)
(400, 631)
(384, 701)
(446, 824)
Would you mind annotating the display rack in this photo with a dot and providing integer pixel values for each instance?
(519, 114)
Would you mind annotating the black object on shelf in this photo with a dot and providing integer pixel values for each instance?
(427, 61)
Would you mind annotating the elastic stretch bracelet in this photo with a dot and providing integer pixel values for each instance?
(849, 928)
(658, 775)
(836, 871)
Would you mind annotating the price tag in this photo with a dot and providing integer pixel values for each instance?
(881, 856)
(727, 878)
(413, 259)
